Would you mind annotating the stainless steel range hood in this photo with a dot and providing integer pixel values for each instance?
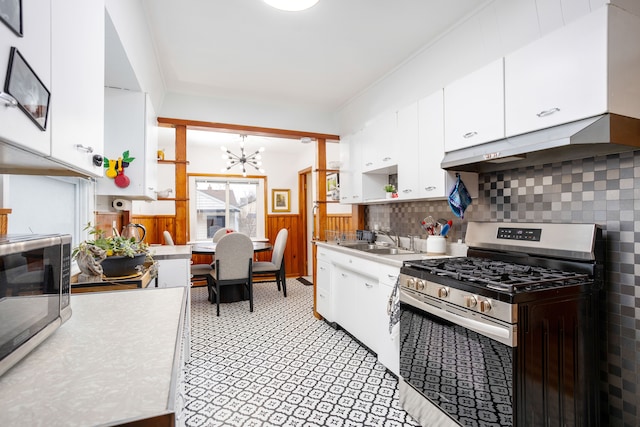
(600, 135)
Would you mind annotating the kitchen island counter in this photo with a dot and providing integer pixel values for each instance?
(119, 358)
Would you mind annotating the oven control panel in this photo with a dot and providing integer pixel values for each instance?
(513, 233)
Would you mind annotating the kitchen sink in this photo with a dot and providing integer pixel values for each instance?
(372, 248)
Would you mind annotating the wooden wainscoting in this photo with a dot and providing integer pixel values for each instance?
(341, 222)
(156, 225)
(296, 250)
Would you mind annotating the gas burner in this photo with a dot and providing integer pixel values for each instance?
(498, 275)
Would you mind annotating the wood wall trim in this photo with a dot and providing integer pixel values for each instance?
(247, 130)
(181, 231)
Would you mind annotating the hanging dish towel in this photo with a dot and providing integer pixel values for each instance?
(393, 307)
(459, 198)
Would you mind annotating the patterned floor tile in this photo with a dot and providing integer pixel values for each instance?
(280, 366)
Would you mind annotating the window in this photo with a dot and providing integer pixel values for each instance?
(235, 203)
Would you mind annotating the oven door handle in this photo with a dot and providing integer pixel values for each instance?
(502, 334)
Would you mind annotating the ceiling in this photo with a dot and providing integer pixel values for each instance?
(319, 58)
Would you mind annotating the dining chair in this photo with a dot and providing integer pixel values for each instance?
(233, 266)
(276, 265)
(199, 272)
(218, 234)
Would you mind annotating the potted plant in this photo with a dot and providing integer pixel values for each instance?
(390, 189)
(112, 256)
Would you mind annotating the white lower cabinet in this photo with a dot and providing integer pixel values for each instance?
(388, 341)
(356, 287)
(354, 293)
(174, 272)
(324, 303)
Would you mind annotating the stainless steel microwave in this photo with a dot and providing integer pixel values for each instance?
(35, 292)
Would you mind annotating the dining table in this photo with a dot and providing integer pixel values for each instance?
(229, 293)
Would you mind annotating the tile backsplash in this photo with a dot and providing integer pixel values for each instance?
(604, 190)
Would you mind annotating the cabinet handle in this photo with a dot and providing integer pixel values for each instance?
(546, 113)
(343, 275)
(430, 188)
(355, 197)
(321, 268)
(392, 277)
(407, 190)
(469, 134)
(368, 285)
(368, 164)
(9, 100)
(84, 148)
(386, 159)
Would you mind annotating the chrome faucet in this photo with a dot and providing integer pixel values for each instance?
(395, 239)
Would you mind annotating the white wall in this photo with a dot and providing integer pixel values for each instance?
(281, 161)
(129, 20)
(500, 28)
(302, 118)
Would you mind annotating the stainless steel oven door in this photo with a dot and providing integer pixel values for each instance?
(456, 362)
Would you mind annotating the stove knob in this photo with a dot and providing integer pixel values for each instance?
(420, 285)
(470, 301)
(411, 283)
(443, 293)
(485, 306)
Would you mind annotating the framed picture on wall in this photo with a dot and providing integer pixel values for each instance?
(27, 89)
(281, 200)
(11, 15)
(333, 186)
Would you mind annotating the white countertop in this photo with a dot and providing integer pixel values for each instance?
(112, 361)
(170, 252)
(394, 260)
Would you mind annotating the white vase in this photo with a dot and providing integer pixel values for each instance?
(389, 195)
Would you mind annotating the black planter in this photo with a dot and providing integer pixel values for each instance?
(118, 266)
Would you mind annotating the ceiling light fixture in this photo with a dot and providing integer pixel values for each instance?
(253, 159)
(291, 5)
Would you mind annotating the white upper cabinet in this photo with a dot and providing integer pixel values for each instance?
(77, 82)
(586, 68)
(17, 126)
(350, 171)
(130, 126)
(379, 143)
(435, 182)
(409, 164)
(474, 107)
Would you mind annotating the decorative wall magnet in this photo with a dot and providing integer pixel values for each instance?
(115, 169)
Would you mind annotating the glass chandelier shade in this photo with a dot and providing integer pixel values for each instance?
(291, 5)
(254, 159)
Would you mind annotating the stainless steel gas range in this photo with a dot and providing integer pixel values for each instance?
(507, 335)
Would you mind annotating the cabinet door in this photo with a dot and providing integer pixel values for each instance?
(173, 273)
(354, 288)
(351, 171)
(127, 127)
(324, 303)
(77, 68)
(559, 78)
(408, 142)
(378, 143)
(17, 128)
(474, 108)
(431, 146)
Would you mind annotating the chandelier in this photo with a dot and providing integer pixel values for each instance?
(254, 159)
(291, 5)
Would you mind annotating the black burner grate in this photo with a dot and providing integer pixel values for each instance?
(499, 275)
